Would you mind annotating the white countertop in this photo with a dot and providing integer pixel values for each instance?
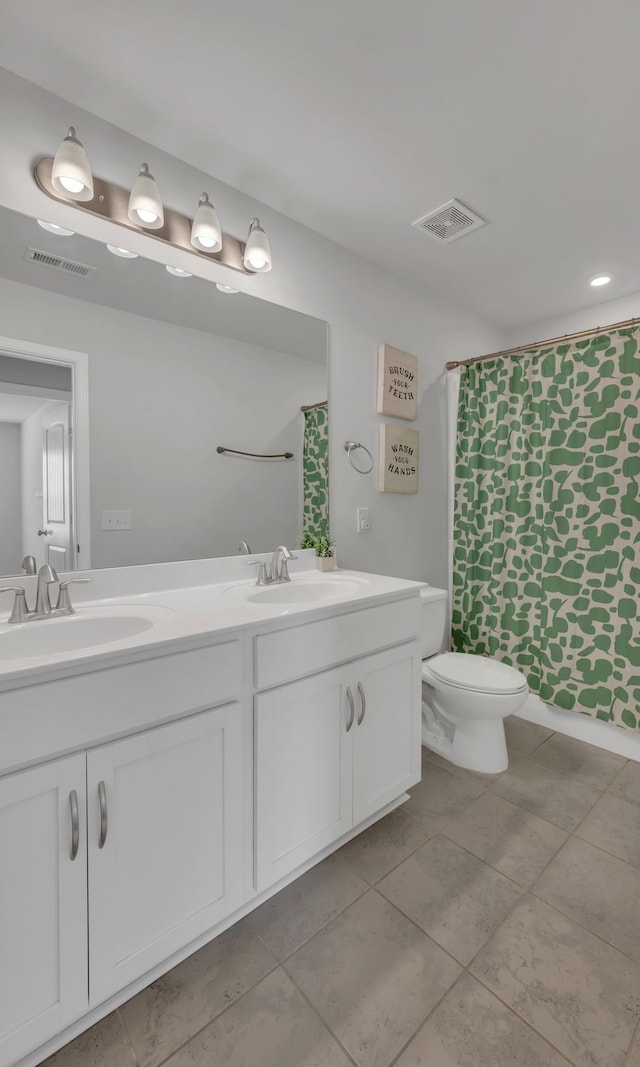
(186, 615)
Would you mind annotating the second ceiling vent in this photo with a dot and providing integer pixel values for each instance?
(449, 222)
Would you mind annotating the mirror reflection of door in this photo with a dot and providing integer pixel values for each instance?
(35, 476)
(55, 531)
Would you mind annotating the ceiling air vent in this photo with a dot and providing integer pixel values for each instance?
(47, 259)
(449, 222)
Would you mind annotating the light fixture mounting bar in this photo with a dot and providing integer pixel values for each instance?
(112, 202)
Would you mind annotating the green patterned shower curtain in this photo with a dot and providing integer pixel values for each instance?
(315, 474)
(546, 559)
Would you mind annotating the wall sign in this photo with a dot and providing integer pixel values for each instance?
(398, 460)
(397, 383)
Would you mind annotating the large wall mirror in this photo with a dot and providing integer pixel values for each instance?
(176, 369)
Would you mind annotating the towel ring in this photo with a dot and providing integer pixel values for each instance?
(349, 447)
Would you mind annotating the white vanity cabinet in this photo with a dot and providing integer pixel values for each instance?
(164, 834)
(335, 748)
(151, 800)
(43, 904)
(162, 848)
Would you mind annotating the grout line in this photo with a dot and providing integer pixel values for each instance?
(323, 1022)
(636, 1036)
(427, 1017)
(521, 1018)
(214, 1017)
(124, 1028)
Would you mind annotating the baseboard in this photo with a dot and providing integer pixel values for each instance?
(583, 727)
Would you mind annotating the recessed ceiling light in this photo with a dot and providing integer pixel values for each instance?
(53, 227)
(226, 288)
(600, 279)
(124, 253)
(178, 272)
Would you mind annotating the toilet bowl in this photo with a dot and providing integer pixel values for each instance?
(465, 697)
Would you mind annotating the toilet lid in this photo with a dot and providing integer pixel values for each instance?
(480, 673)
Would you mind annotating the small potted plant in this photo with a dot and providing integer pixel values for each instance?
(325, 554)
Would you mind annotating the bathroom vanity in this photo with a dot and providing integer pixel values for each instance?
(183, 748)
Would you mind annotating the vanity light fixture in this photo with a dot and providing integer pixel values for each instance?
(53, 227)
(600, 279)
(67, 178)
(145, 202)
(178, 272)
(226, 288)
(124, 253)
(257, 252)
(206, 234)
(71, 174)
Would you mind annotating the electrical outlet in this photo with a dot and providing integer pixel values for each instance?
(363, 521)
(116, 520)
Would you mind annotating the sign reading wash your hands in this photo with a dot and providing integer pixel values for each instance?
(398, 459)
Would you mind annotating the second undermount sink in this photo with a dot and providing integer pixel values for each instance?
(307, 590)
(95, 626)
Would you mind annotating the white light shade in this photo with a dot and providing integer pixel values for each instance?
(124, 253)
(178, 272)
(225, 288)
(145, 202)
(600, 279)
(257, 253)
(206, 234)
(53, 227)
(71, 174)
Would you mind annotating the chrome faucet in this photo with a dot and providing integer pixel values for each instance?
(43, 610)
(243, 547)
(46, 577)
(29, 565)
(277, 570)
(279, 562)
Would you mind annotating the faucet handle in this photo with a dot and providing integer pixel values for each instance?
(19, 610)
(284, 568)
(263, 578)
(63, 602)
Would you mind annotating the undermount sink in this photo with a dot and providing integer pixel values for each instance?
(91, 626)
(310, 590)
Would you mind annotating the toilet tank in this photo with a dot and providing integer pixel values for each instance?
(435, 620)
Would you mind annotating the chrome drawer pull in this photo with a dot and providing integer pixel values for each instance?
(352, 709)
(75, 823)
(363, 704)
(102, 798)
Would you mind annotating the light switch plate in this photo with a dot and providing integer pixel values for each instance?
(117, 520)
(363, 520)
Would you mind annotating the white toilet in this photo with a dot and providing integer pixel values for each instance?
(465, 698)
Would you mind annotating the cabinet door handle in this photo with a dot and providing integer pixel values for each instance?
(75, 823)
(363, 704)
(102, 800)
(352, 709)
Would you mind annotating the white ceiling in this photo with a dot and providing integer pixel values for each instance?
(358, 116)
(15, 408)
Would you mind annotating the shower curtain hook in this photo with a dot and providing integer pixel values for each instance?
(349, 447)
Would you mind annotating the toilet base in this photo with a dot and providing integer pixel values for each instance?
(477, 745)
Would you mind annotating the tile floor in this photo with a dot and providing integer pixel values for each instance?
(490, 922)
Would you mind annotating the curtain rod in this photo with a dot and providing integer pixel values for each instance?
(542, 344)
(310, 407)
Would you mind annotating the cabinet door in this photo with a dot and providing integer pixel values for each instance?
(166, 807)
(43, 904)
(303, 771)
(387, 731)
